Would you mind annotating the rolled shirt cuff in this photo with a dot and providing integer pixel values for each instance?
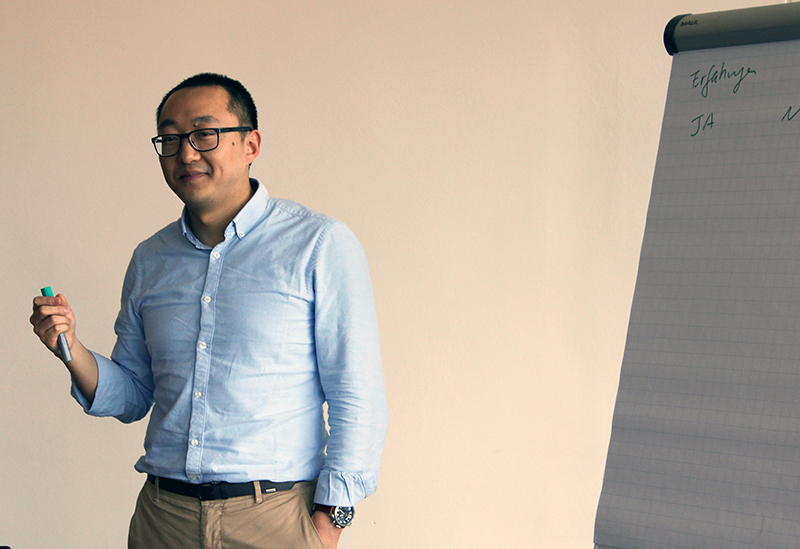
(343, 489)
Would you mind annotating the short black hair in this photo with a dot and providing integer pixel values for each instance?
(240, 104)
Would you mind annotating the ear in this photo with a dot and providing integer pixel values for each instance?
(252, 146)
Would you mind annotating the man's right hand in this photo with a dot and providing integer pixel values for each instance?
(52, 316)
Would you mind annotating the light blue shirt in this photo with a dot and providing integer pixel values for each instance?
(236, 348)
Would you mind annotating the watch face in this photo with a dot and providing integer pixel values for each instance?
(343, 516)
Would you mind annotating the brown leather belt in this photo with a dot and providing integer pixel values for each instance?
(217, 490)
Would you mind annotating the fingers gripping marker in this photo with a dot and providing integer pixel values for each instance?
(63, 346)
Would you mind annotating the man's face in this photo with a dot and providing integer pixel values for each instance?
(211, 181)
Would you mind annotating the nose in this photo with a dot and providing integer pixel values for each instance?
(186, 153)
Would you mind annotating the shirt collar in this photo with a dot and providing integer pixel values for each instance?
(244, 221)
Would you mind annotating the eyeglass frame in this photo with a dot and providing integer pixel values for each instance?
(182, 136)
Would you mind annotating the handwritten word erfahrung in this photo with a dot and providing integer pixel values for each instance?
(714, 76)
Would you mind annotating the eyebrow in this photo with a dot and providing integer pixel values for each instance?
(195, 121)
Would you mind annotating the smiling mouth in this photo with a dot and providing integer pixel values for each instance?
(191, 176)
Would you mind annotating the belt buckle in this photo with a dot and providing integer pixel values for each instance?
(211, 490)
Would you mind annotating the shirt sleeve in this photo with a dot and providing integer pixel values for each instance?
(125, 381)
(349, 363)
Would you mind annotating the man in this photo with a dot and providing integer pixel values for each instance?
(237, 322)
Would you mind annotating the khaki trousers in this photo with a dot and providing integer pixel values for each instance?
(278, 520)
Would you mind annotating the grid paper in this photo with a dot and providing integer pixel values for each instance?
(705, 443)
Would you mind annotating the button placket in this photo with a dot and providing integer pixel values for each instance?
(202, 365)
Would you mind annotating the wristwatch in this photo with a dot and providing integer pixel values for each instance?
(342, 517)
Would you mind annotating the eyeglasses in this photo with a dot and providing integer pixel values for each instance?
(202, 140)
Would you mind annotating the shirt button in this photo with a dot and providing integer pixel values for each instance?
(198, 394)
(207, 299)
(195, 442)
(202, 345)
(195, 477)
(241, 234)
(216, 255)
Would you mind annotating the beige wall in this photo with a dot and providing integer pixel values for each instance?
(494, 157)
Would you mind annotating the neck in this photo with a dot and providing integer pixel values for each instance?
(209, 224)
